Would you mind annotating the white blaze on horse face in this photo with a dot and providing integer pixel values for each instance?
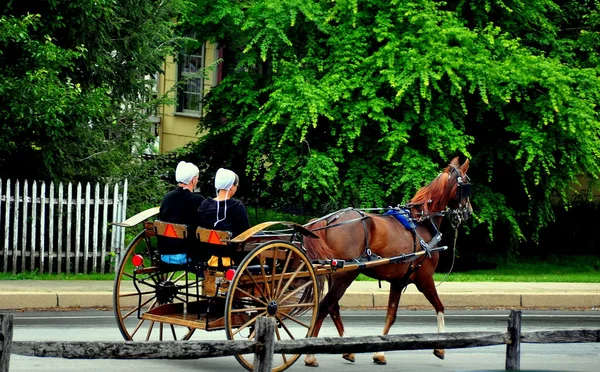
(440, 322)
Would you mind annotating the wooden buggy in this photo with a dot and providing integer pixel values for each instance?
(269, 274)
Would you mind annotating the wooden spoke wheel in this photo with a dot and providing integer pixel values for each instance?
(139, 288)
(276, 280)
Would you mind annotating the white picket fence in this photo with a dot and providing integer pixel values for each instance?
(63, 229)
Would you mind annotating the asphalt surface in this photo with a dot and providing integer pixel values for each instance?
(64, 294)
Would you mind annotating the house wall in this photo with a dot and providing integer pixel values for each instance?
(177, 129)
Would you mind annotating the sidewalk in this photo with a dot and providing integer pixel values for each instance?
(22, 294)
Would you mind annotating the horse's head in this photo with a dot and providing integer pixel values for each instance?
(460, 191)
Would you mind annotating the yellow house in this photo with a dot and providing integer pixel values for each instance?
(178, 123)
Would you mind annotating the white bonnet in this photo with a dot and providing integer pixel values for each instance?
(185, 172)
(224, 179)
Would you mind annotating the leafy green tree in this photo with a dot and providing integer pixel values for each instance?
(359, 103)
(77, 85)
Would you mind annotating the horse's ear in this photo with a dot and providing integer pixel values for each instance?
(454, 162)
(465, 167)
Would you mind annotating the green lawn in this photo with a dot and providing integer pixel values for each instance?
(577, 269)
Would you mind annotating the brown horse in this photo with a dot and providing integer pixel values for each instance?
(351, 234)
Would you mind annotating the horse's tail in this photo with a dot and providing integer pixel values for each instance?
(317, 248)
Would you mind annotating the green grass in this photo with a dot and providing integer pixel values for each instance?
(566, 269)
(63, 276)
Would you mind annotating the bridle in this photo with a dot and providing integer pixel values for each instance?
(463, 192)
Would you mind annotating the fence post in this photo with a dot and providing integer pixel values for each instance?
(513, 348)
(264, 344)
(6, 329)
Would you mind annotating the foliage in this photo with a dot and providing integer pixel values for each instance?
(77, 84)
(362, 102)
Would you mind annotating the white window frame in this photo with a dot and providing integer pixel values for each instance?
(191, 83)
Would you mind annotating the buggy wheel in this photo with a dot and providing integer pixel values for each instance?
(138, 289)
(275, 280)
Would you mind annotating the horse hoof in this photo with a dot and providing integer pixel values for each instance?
(440, 353)
(349, 357)
(380, 361)
(311, 362)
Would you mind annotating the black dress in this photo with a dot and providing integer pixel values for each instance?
(179, 206)
(234, 219)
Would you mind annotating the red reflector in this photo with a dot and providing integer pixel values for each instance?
(137, 260)
(334, 263)
(213, 238)
(229, 274)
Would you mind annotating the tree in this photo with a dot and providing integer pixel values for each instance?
(362, 102)
(77, 84)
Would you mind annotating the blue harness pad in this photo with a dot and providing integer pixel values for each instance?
(402, 215)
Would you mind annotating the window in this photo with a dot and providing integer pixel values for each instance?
(190, 78)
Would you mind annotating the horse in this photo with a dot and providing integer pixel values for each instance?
(340, 236)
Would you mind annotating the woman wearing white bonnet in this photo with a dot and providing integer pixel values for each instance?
(224, 212)
(180, 206)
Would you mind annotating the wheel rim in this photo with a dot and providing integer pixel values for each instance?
(157, 288)
(291, 296)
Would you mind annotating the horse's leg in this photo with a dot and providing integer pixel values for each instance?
(426, 285)
(330, 303)
(393, 300)
(334, 313)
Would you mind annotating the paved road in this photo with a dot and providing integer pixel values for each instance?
(100, 326)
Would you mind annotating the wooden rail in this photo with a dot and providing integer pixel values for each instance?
(265, 345)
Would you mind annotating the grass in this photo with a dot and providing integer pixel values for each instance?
(565, 269)
(562, 269)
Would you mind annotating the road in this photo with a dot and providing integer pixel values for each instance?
(100, 326)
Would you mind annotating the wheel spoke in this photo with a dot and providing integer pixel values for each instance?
(262, 293)
(284, 326)
(298, 269)
(273, 269)
(264, 276)
(135, 294)
(149, 331)
(135, 309)
(249, 309)
(290, 294)
(173, 331)
(294, 320)
(279, 338)
(285, 266)
(251, 296)
(248, 323)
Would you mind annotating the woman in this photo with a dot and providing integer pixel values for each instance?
(224, 212)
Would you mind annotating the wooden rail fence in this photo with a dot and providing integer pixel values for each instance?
(60, 228)
(265, 345)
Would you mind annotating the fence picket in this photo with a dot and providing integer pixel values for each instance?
(16, 228)
(95, 228)
(42, 220)
(104, 228)
(6, 225)
(115, 229)
(68, 253)
(5, 257)
(86, 228)
(77, 227)
(123, 215)
(51, 217)
(24, 226)
(59, 242)
(34, 196)
(48, 232)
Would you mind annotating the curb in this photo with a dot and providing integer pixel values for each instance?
(64, 300)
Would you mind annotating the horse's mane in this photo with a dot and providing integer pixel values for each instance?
(430, 194)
